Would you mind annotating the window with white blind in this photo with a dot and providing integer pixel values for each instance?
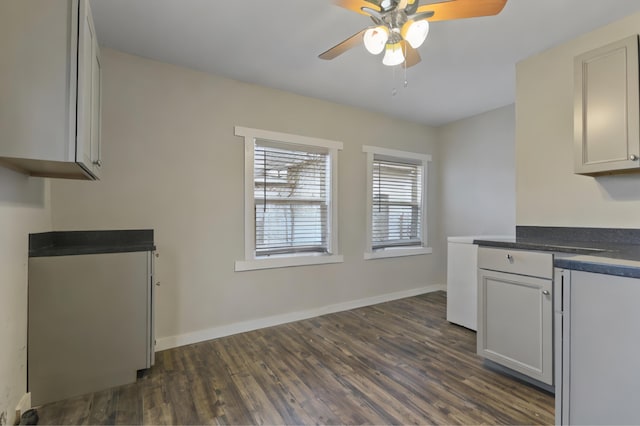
(396, 203)
(292, 195)
(290, 205)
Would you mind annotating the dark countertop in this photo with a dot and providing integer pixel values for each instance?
(67, 243)
(601, 250)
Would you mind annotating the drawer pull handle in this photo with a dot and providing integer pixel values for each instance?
(545, 292)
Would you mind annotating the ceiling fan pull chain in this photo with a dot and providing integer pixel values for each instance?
(406, 82)
(394, 91)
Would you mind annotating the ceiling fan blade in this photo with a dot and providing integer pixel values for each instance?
(357, 5)
(343, 46)
(411, 55)
(421, 16)
(459, 9)
(411, 7)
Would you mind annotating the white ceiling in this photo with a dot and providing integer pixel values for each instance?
(468, 66)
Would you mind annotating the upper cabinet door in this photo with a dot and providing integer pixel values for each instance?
(606, 120)
(49, 89)
(88, 149)
(96, 111)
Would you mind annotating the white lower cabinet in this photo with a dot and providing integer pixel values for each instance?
(462, 282)
(598, 379)
(515, 311)
(91, 323)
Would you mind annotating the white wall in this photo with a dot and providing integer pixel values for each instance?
(478, 174)
(548, 193)
(24, 208)
(172, 163)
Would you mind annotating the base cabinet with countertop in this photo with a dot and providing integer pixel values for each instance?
(515, 311)
(91, 312)
(598, 340)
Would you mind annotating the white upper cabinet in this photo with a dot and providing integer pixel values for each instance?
(89, 94)
(607, 112)
(50, 89)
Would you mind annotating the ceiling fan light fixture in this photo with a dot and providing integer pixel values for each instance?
(415, 32)
(375, 39)
(393, 54)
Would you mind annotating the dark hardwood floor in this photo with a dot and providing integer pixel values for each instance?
(399, 362)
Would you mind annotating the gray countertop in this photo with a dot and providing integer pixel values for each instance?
(70, 243)
(598, 250)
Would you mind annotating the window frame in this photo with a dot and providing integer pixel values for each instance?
(253, 262)
(423, 160)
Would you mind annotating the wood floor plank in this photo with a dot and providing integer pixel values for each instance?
(156, 409)
(289, 364)
(269, 379)
(76, 411)
(103, 408)
(328, 389)
(229, 404)
(399, 362)
(128, 406)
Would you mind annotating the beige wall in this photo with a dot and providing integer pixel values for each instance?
(24, 208)
(548, 193)
(478, 174)
(172, 163)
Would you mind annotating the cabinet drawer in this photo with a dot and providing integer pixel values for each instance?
(523, 262)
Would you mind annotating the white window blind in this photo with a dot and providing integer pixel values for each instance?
(396, 204)
(291, 194)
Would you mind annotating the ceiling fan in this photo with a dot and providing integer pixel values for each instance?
(401, 26)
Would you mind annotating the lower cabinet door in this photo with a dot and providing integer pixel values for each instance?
(602, 345)
(515, 323)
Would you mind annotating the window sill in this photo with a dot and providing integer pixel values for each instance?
(286, 262)
(397, 252)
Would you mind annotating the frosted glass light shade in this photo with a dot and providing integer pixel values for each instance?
(375, 39)
(415, 32)
(393, 54)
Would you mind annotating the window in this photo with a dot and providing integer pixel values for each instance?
(396, 203)
(290, 206)
(291, 197)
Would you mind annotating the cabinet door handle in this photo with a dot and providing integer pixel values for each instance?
(545, 292)
(633, 157)
(509, 258)
(98, 163)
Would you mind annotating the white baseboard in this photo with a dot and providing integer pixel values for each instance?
(23, 405)
(241, 327)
